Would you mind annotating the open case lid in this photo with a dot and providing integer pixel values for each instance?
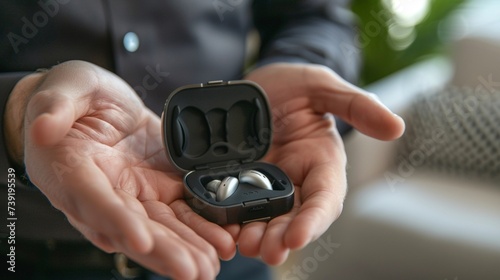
(217, 124)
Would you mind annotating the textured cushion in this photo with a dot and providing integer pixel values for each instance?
(456, 130)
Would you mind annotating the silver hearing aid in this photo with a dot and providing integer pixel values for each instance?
(222, 189)
(255, 178)
(213, 185)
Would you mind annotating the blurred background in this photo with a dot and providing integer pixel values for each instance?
(394, 34)
(426, 206)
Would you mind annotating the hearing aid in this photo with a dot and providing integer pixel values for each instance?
(255, 178)
(223, 189)
(213, 185)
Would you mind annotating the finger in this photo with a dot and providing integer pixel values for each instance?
(321, 205)
(99, 240)
(171, 256)
(204, 254)
(249, 241)
(331, 93)
(233, 230)
(362, 110)
(107, 214)
(131, 202)
(273, 249)
(214, 234)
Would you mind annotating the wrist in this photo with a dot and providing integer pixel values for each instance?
(14, 115)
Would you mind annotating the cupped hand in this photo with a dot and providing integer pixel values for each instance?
(95, 151)
(308, 148)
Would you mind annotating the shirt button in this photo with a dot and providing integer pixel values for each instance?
(131, 42)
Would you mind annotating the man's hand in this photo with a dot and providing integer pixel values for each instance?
(308, 148)
(95, 151)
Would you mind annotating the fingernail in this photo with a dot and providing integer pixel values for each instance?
(398, 116)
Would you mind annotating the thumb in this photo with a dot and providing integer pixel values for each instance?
(49, 117)
(365, 112)
(62, 98)
(361, 109)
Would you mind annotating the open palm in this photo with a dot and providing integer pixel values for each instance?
(96, 152)
(308, 148)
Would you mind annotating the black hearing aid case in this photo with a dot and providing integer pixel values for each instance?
(215, 130)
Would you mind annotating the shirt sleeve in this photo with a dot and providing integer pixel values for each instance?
(312, 31)
(7, 83)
